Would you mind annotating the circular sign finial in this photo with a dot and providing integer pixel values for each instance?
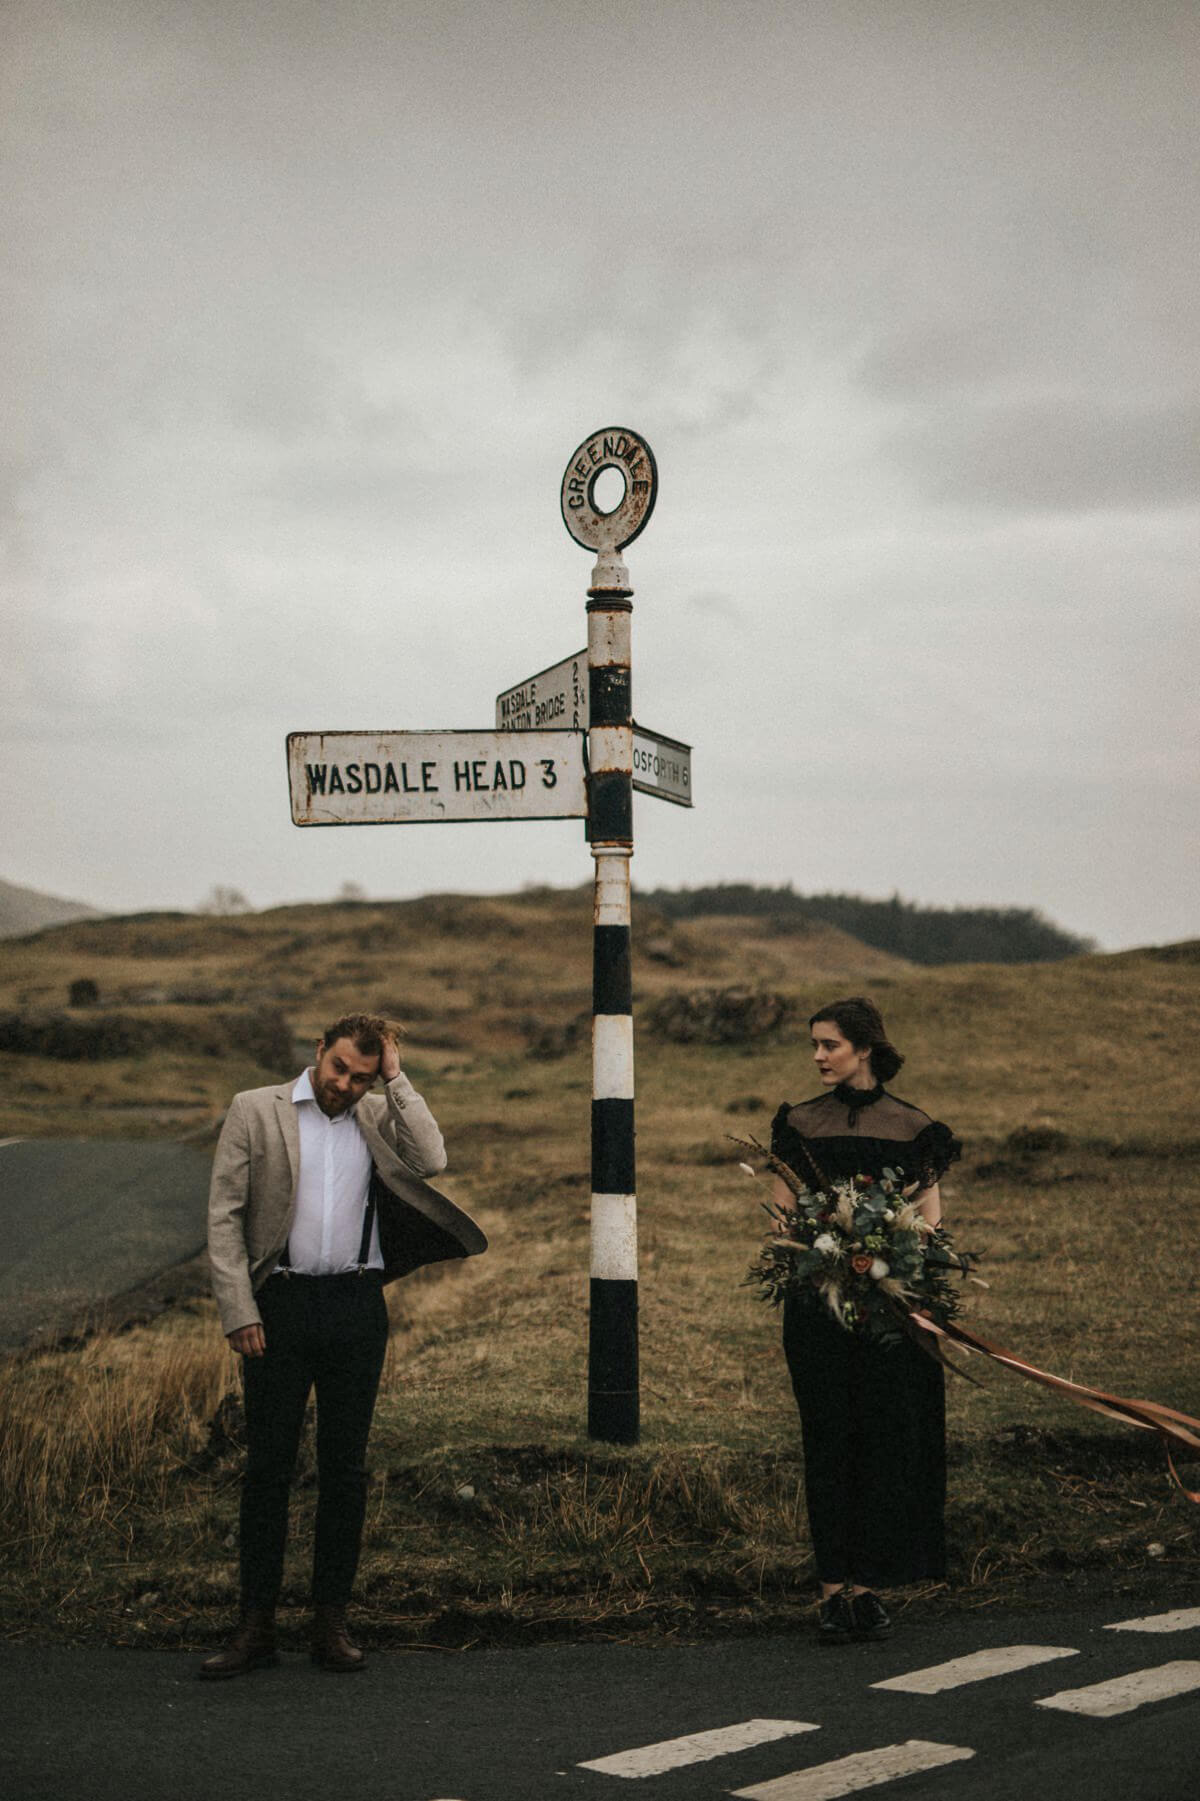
(616, 447)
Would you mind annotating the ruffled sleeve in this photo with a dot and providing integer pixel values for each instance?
(780, 1132)
(934, 1149)
(791, 1146)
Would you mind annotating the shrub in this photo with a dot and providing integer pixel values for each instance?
(718, 1015)
(262, 1034)
(1036, 1141)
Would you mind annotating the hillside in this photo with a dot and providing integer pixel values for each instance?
(25, 910)
(1071, 1083)
(466, 975)
(190, 1007)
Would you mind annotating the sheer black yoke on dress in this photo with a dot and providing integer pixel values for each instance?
(862, 1132)
(872, 1416)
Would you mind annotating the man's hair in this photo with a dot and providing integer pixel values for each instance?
(366, 1032)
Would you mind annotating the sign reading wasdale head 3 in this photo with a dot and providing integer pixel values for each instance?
(398, 778)
(613, 448)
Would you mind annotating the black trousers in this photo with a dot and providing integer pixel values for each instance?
(327, 1333)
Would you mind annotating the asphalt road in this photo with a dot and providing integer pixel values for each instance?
(522, 1725)
(83, 1220)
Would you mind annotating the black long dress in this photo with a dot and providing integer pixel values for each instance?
(873, 1417)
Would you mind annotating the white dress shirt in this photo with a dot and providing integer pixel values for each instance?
(331, 1195)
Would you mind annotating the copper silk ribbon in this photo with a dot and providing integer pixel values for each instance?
(1176, 1430)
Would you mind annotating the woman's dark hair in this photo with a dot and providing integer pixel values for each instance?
(860, 1020)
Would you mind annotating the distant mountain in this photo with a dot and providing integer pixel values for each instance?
(24, 910)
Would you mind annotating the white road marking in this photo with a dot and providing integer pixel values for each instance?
(975, 1668)
(1104, 1699)
(1180, 1621)
(845, 1776)
(696, 1747)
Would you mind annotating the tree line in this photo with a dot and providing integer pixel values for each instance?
(922, 934)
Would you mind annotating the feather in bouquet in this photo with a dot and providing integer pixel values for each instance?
(859, 1246)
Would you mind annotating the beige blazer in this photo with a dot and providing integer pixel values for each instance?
(252, 1197)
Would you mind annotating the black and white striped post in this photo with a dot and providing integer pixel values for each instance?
(613, 1402)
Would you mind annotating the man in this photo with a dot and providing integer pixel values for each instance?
(318, 1200)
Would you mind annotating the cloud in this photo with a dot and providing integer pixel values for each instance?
(304, 314)
(715, 606)
(1073, 453)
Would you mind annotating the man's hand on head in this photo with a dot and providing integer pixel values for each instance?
(389, 1062)
(248, 1341)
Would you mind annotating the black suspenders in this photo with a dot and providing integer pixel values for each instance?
(364, 1248)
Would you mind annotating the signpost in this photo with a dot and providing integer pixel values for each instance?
(613, 1400)
(532, 766)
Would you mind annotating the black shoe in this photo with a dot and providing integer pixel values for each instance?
(252, 1647)
(332, 1646)
(870, 1617)
(836, 1620)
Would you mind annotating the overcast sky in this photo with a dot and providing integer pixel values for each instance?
(307, 305)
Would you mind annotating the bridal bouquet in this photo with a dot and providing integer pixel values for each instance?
(862, 1248)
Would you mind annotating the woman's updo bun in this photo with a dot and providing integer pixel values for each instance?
(860, 1020)
(885, 1061)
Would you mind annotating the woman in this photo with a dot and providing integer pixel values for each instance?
(872, 1416)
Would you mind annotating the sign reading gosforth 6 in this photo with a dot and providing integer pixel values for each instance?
(614, 448)
(662, 766)
(402, 778)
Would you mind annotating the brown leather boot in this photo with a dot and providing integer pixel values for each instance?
(332, 1648)
(252, 1647)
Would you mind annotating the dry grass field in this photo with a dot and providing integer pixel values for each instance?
(491, 1515)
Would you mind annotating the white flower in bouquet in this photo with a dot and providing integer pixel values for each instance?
(827, 1244)
(878, 1270)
